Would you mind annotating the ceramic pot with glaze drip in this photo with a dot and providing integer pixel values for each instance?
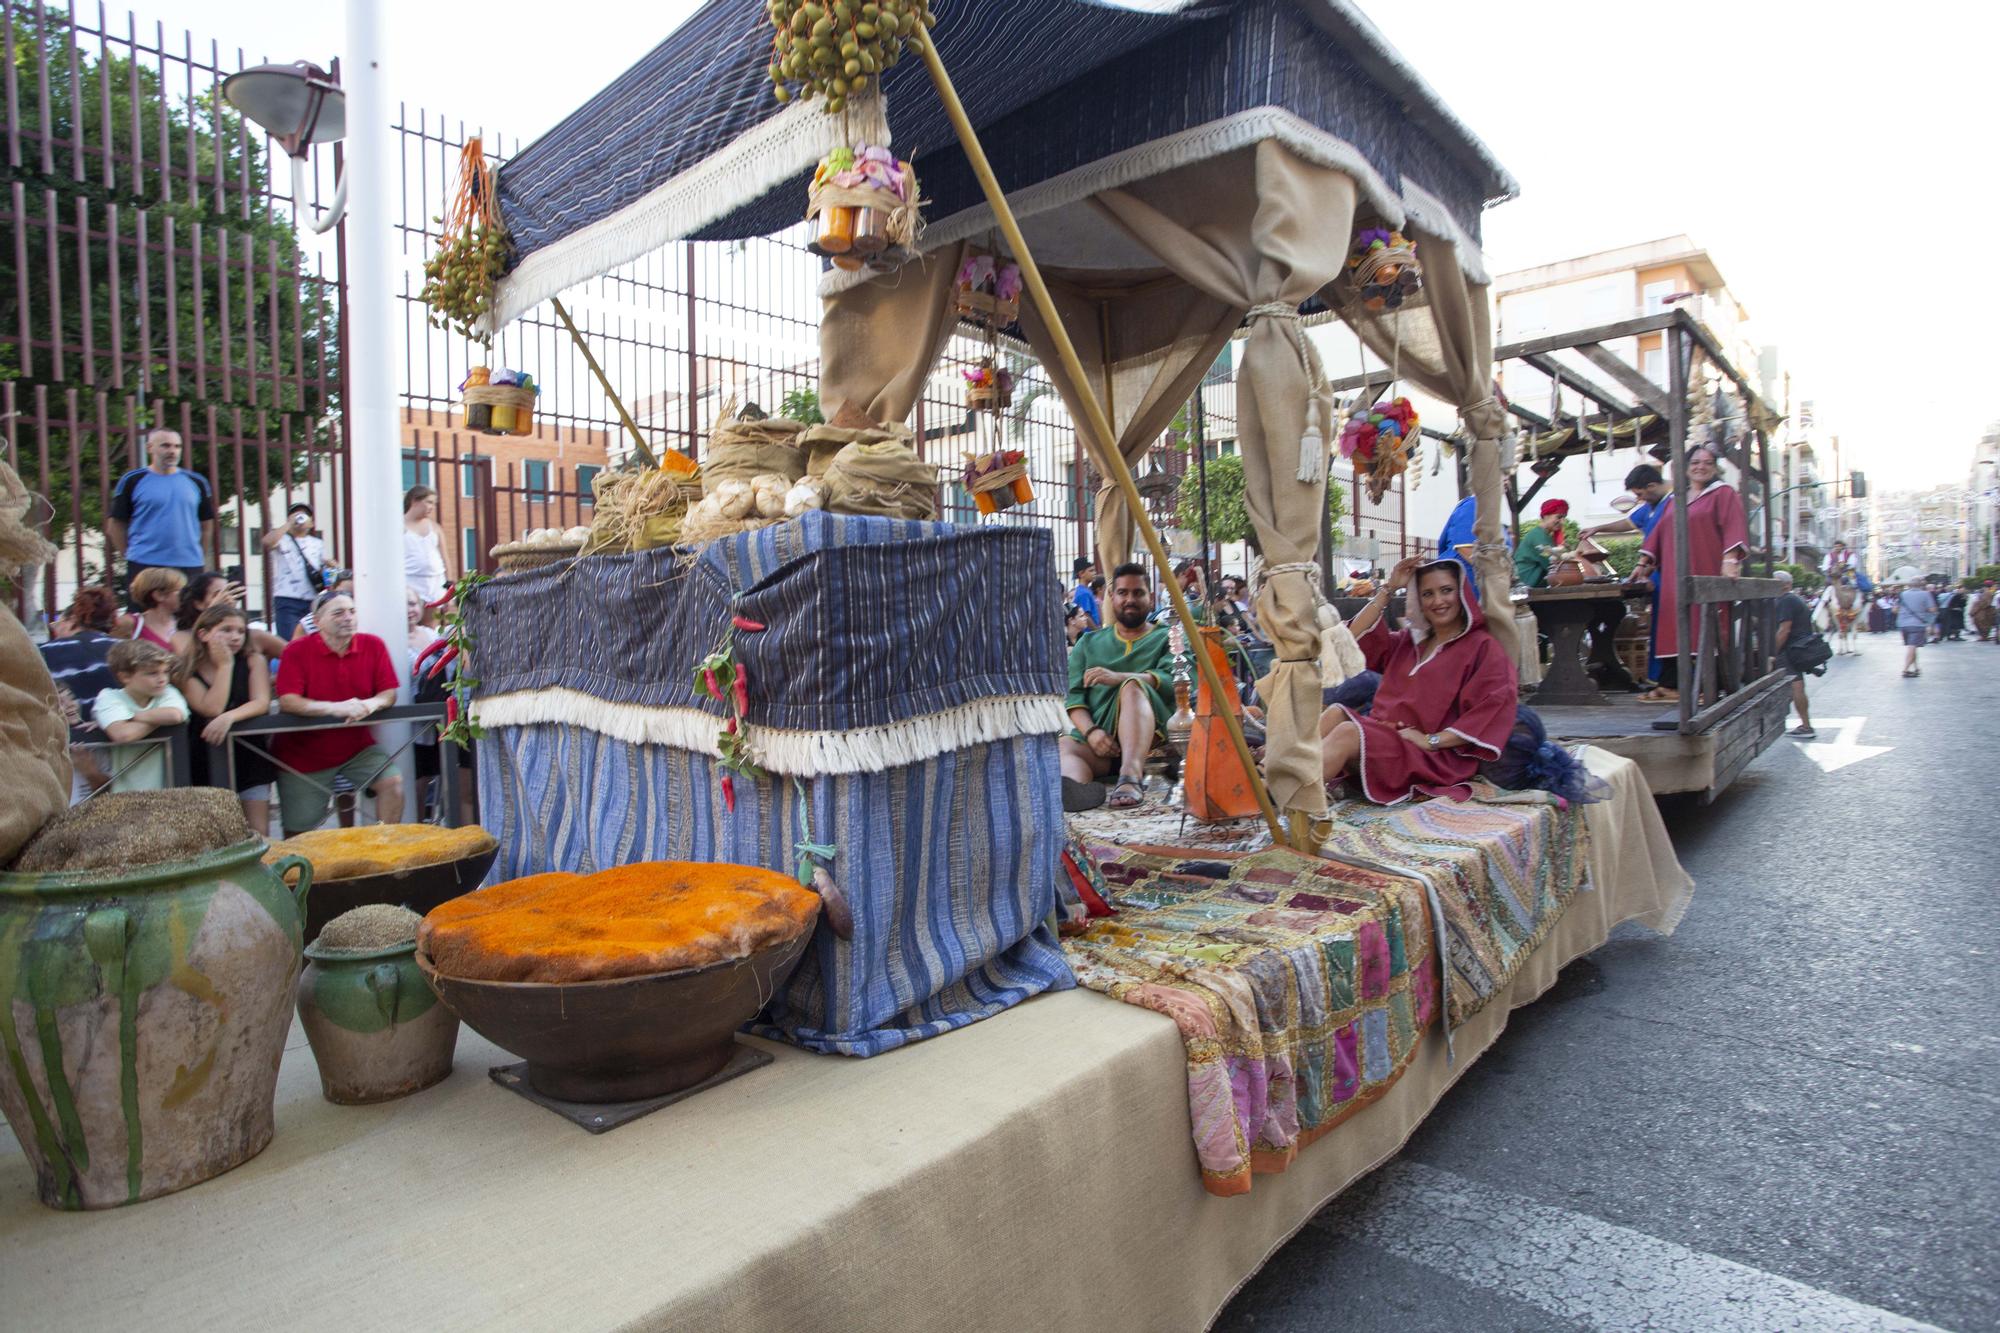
(375, 1025)
(146, 1014)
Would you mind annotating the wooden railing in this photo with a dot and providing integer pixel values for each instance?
(1735, 646)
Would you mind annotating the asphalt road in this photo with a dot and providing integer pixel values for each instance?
(1786, 1116)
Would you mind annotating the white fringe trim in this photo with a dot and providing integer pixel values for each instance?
(1426, 210)
(1214, 139)
(806, 754)
(757, 161)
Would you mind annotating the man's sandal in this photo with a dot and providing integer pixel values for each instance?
(1126, 794)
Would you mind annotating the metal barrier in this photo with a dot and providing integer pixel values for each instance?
(254, 735)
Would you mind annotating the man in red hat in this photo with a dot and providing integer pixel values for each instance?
(1540, 547)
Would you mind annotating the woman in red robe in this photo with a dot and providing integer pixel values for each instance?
(1447, 698)
(1718, 539)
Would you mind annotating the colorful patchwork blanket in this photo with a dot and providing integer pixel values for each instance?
(1500, 873)
(1300, 986)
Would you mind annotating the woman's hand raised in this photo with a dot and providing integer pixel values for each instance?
(1405, 570)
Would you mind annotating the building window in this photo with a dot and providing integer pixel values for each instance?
(468, 479)
(1655, 295)
(416, 468)
(470, 543)
(536, 473)
(585, 475)
(1654, 365)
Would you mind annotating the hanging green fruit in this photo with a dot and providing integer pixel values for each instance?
(832, 50)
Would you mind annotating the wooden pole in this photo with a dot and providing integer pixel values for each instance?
(638, 440)
(1095, 419)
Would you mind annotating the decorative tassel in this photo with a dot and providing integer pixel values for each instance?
(1312, 456)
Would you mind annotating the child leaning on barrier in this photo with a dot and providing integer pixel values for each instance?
(144, 701)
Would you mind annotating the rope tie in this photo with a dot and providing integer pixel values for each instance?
(1313, 444)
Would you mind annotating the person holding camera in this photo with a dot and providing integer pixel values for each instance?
(297, 571)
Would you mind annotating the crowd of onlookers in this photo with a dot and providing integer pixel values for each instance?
(181, 649)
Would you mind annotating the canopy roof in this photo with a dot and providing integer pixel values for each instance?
(1070, 97)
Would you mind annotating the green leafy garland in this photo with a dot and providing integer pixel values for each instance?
(461, 726)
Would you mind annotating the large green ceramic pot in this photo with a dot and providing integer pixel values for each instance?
(146, 1017)
(376, 1029)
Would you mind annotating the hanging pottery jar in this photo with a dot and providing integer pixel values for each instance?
(145, 1017)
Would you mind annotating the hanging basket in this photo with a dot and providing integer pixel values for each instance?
(998, 480)
(863, 205)
(988, 291)
(1382, 269)
(500, 409)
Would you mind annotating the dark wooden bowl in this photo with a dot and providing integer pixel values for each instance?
(623, 1040)
(420, 889)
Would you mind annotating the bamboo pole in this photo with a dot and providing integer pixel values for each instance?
(638, 440)
(1095, 419)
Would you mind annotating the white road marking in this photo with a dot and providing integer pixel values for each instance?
(1584, 1269)
(1845, 748)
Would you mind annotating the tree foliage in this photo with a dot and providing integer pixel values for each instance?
(280, 329)
(1228, 514)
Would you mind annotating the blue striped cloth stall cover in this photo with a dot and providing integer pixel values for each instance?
(1052, 85)
(948, 863)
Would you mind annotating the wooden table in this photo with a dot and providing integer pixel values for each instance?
(1565, 614)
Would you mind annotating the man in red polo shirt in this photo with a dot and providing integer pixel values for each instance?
(335, 673)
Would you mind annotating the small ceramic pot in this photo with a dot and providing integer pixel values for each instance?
(376, 1029)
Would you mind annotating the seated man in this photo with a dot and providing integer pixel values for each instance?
(1119, 679)
(334, 672)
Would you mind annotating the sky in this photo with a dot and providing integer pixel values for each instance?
(1839, 167)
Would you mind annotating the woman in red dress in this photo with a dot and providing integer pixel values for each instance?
(1718, 539)
(1447, 698)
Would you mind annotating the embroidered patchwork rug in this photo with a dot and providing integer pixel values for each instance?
(1503, 871)
(1301, 988)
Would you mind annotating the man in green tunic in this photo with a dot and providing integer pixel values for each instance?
(1119, 677)
(1541, 546)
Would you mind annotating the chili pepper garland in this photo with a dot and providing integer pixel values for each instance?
(461, 726)
(727, 681)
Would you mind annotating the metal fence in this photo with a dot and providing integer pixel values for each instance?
(152, 275)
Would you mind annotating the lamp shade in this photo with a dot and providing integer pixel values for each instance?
(297, 104)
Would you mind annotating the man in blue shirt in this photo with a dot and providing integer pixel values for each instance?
(1458, 531)
(1649, 486)
(162, 515)
(1085, 569)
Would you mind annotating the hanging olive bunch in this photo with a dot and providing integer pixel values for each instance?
(835, 48)
(460, 276)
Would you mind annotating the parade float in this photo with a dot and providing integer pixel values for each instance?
(862, 702)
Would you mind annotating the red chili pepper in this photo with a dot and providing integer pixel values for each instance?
(444, 660)
(451, 710)
(732, 726)
(746, 624)
(729, 792)
(708, 674)
(742, 689)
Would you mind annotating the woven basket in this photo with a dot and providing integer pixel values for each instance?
(509, 403)
(515, 557)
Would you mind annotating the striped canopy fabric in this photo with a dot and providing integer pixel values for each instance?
(690, 142)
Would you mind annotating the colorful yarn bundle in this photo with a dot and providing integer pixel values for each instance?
(1379, 442)
(1384, 270)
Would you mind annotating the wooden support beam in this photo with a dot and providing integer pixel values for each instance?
(1650, 395)
(1570, 379)
(645, 455)
(1096, 420)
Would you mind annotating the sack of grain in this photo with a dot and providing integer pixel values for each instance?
(885, 477)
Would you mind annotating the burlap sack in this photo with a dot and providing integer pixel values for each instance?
(885, 478)
(821, 443)
(34, 739)
(747, 449)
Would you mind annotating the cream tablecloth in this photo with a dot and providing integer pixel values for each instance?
(1031, 1171)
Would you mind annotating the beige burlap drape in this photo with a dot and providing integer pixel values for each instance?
(1145, 341)
(880, 339)
(1259, 231)
(1445, 347)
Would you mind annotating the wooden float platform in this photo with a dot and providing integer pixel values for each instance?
(1706, 762)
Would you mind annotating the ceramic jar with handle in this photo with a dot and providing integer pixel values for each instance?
(375, 1026)
(145, 1016)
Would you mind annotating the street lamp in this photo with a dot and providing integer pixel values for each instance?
(299, 105)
